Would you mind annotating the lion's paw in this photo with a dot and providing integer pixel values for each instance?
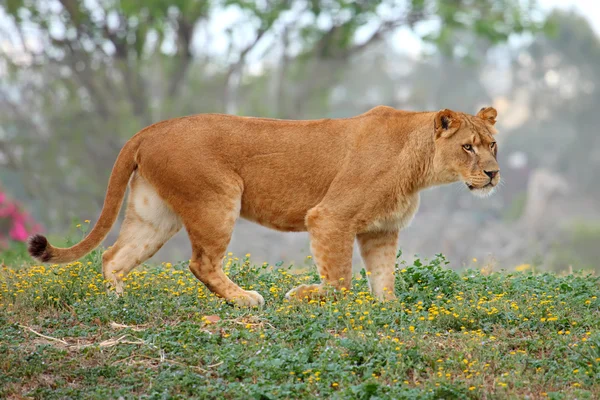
(250, 298)
(303, 291)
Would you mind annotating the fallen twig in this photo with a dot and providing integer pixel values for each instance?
(104, 343)
(214, 365)
(110, 342)
(136, 328)
(44, 336)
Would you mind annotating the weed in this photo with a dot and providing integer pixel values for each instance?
(449, 335)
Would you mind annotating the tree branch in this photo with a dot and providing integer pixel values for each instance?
(185, 33)
(235, 67)
(384, 28)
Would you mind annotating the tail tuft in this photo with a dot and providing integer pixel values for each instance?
(37, 246)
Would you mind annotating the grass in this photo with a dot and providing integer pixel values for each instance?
(448, 336)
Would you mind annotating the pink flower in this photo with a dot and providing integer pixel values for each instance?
(21, 224)
(18, 232)
(8, 210)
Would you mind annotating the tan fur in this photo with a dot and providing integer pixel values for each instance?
(149, 223)
(338, 179)
(378, 250)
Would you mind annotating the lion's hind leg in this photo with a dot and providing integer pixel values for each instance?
(209, 223)
(149, 223)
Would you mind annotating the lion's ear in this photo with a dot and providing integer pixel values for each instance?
(446, 123)
(488, 114)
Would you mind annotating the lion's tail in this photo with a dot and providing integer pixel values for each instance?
(39, 247)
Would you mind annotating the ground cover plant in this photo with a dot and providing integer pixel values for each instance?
(448, 336)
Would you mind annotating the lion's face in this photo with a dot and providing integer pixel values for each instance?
(466, 149)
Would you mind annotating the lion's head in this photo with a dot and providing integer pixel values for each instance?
(465, 149)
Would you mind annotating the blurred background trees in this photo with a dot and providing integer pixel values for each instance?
(78, 78)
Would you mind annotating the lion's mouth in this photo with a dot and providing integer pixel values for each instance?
(486, 186)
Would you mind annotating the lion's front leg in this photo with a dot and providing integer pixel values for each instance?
(378, 250)
(331, 240)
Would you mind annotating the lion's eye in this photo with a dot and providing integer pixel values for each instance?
(492, 145)
(467, 147)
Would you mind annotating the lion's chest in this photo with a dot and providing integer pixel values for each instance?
(399, 218)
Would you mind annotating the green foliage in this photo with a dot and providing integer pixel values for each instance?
(101, 71)
(515, 209)
(449, 335)
(578, 246)
(567, 106)
(15, 254)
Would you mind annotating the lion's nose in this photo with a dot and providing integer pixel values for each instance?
(491, 174)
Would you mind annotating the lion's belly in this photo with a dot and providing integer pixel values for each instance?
(399, 218)
(279, 196)
(286, 222)
(284, 213)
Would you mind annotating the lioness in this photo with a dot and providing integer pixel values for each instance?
(339, 179)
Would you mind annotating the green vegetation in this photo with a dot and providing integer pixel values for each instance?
(94, 73)
(449, 335)
(578, 245)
